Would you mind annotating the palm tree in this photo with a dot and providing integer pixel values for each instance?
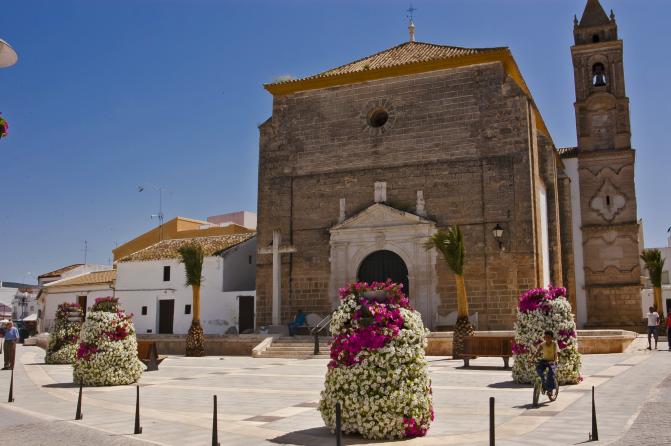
(654, 263)
(192, 258)
(451, 246)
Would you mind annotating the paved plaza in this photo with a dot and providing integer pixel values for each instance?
(273, 401)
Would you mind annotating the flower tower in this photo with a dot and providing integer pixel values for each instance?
(377, 371)
(63, 340)
(107, 351)
(540, 310)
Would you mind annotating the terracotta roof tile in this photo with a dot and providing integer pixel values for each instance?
(168, 249)
(93, 278)
(403, 54)
(60, 271)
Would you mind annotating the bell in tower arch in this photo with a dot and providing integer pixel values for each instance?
(598, 75)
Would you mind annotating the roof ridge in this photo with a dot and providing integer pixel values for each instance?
(248, 236)
(339, 70)
(66, 279)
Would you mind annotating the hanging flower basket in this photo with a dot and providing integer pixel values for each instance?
(4, 127)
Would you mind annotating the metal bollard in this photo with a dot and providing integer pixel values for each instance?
(11, 388)
(152, 366)
(338, 428)
(138, 428)
(492, 433)
(78, 415)
(594, 435)
(215, 430)
(316, 343)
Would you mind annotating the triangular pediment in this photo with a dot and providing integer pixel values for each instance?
(381, 216)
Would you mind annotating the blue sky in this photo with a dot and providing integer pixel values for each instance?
(108, 95)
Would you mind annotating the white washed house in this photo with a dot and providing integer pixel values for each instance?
(150, 283)
(83, 289)
(647, 294)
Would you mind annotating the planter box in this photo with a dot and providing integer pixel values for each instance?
(589, 341)
(215, 345)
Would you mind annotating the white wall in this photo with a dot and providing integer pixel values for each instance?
(53, 300)
(545, 242)
(30, 307)
(571, 170)
(648, 299)
(647, 296)
(7, 295)
(141, 284)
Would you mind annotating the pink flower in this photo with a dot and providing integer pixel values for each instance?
(413, 428)
(85, 351)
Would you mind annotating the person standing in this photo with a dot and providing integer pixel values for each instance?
(668, 330)
(653, 326)
(11, 338)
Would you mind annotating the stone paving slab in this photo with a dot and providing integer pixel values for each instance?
(268, 401)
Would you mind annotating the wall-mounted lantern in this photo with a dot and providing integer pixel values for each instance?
(498, 235)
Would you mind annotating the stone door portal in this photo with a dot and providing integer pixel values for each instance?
(382, 265)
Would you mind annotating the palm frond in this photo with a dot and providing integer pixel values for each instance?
(654, 263)
(450, 243)
(192, 258)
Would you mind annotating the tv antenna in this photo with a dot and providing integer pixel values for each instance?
(160, 216)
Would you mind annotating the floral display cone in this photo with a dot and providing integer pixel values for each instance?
(377, 371)
(540, 310)
(107, 351)
(64, 337)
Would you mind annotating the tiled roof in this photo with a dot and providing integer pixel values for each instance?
(594, 15)
(568, 152)
(60, 271)
(403, 54)
(94, 278)
(169, 249)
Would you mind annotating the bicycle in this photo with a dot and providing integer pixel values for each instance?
(539, 387)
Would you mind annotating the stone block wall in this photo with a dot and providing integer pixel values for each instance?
(460, 135)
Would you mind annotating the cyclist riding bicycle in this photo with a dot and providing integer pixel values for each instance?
(549, 353)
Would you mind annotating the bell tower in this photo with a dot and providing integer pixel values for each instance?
(606, 172)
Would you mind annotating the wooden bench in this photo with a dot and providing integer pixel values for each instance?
(147, 352)
(489, 346)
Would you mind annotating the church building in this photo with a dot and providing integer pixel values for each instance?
(360, 164)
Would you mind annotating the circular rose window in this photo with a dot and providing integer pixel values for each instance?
(378, 118)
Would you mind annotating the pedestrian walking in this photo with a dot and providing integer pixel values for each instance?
(668, 330)
(653, 327)
(11, 338)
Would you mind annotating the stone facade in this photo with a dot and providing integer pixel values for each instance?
(606, 174)
(466, 137)
(378, 154)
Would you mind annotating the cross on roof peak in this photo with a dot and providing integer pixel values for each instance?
(411, 26)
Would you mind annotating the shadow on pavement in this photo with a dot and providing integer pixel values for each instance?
(319, 436)
(509, 385)
(61, 386)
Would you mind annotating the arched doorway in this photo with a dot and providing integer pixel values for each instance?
(382, 265)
